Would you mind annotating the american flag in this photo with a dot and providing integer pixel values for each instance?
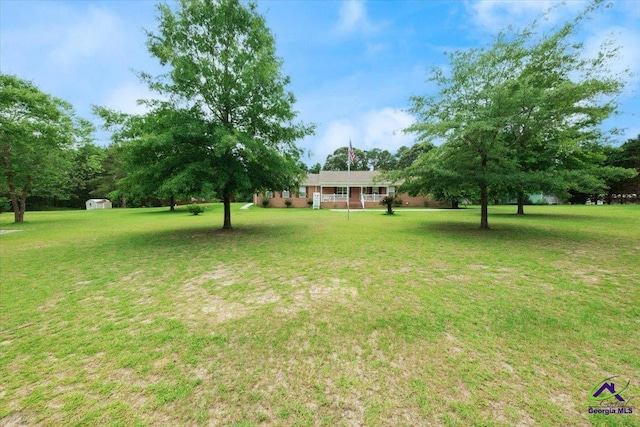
(352, 154)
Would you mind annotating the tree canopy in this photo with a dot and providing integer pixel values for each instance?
(228, 126)
(520, 115)
(374, 159)
(339, 160)
(37, 132)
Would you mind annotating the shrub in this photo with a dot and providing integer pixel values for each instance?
(310, 202)
(287, 203)
(195, 209)
(390, 201)
(265, 202)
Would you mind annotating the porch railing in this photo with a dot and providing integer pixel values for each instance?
(373, 197)
(343, 198)
(334, 198)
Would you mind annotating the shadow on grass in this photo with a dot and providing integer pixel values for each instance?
(250, 234)
(167, 211)
(521, 232)
(526, 216)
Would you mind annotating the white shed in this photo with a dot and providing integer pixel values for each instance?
(98, 204)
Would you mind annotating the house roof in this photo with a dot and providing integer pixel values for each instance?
(343, 178)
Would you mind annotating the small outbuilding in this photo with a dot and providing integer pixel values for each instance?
(98, 204)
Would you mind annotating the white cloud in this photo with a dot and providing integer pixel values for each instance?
(336, 134)
(383, 129)
(124, 98)
(353, 17)
(494, 15)
(372, 129)
(98, 34)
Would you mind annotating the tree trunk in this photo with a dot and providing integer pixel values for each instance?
(172, 202)
(23, 205)
(520, 203)
(227, 212)
(15, 206)
(455, 204)
(484, 210)
(389, 209)
(19, 204)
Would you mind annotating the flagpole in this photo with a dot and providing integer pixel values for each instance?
(348, 179)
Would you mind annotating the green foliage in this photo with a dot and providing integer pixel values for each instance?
(288, 202)
(389, 202)
(339, 160)
(37, 135)
(522, 115)
(626, 156)
(406, 156)
(374, 159)
(4, 205)
(315, 168)
(265, 202)
(378, 159)
(229, 127)
(195, 209)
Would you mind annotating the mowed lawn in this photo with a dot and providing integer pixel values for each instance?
(300, 317)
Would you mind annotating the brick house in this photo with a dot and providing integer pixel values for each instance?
(332, 188)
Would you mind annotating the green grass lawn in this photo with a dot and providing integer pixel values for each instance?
(300, 317)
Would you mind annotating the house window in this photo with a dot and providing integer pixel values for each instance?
(372, 190)
(341, 191)
(302, 192)
(286, 194)
(392, 191)
(268, 194)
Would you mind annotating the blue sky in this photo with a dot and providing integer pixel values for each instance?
(353, 64)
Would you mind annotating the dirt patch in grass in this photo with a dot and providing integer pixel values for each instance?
(264, 297)
(14, 420)
(8, 231)
(221, 275)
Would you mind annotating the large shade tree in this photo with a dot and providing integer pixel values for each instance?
(469, 113)
(37, 135)
(225, 81)
(521, 115)
(559, 98)
(158, 152)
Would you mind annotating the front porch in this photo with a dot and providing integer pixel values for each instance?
(358, 197)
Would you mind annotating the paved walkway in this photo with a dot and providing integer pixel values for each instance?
(8, 231)
(247, 206)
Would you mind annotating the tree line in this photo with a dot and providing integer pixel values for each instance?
(521, 115)
(374, 159)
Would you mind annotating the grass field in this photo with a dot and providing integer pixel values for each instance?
(300, 317)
